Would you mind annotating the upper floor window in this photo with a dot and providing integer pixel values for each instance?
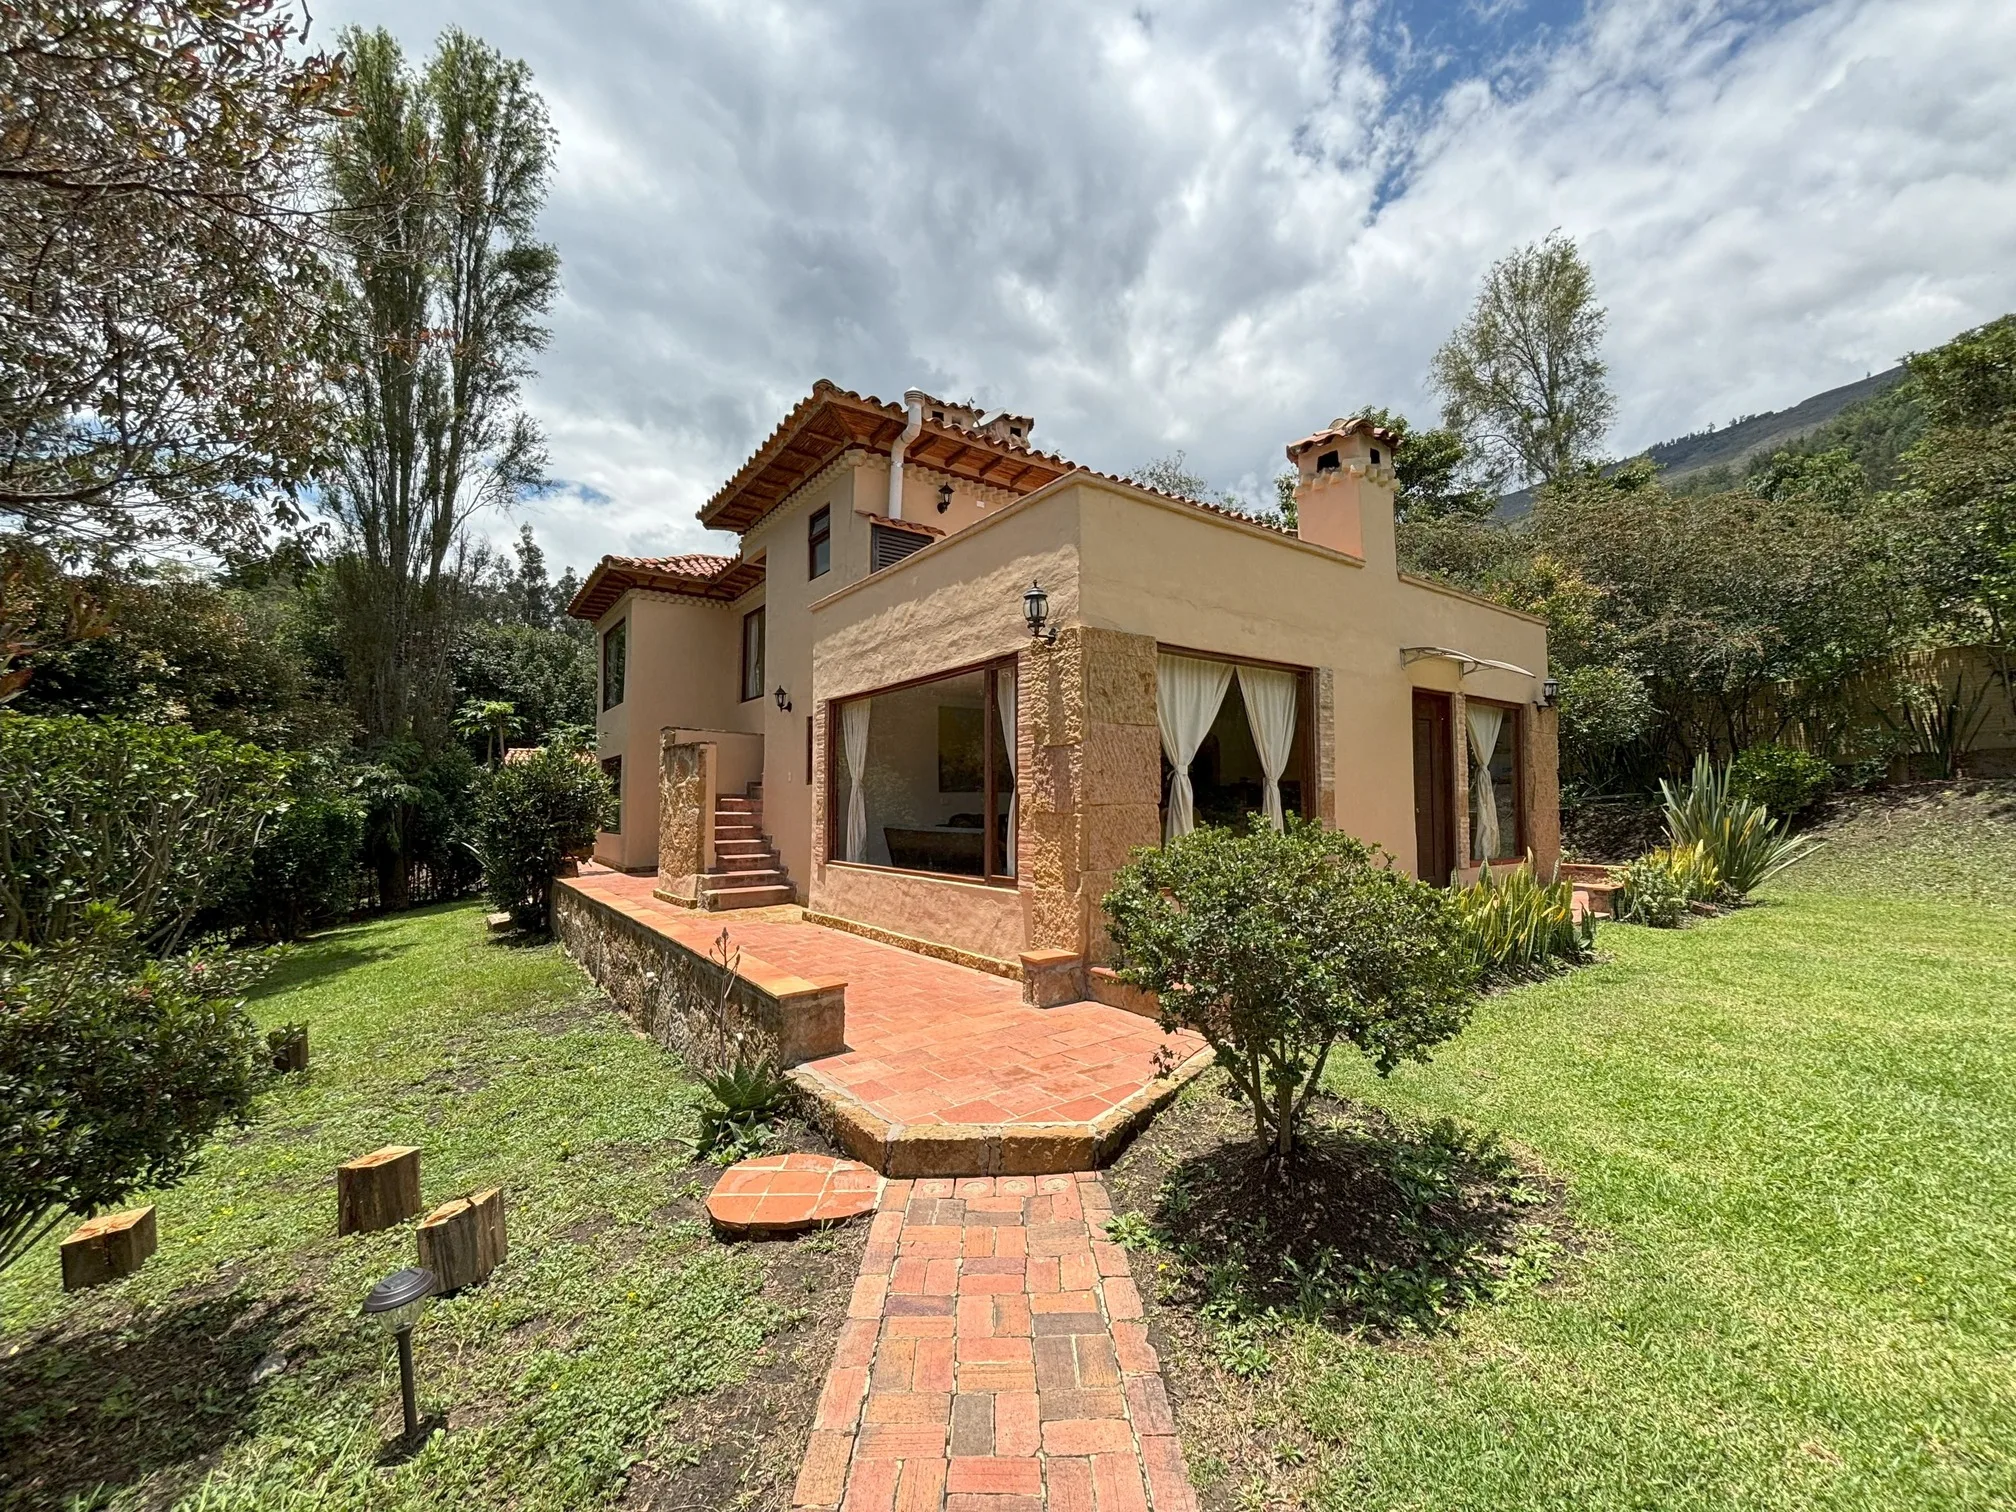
(615, 646)
(752, 655)
(819, 541)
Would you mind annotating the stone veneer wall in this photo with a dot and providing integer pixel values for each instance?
(1091, 751)
(685, 815)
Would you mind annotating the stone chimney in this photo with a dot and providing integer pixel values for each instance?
(1345, 484)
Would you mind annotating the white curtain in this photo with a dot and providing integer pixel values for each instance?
(1270, 715)
(1004, 708)
(854, 737)
(1485, 722)
(1187, 695)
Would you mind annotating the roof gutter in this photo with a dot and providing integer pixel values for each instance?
(913, 400)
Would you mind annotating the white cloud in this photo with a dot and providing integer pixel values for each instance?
(1215, 225)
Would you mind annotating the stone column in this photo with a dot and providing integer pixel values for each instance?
(1542, 798)
(685, 817)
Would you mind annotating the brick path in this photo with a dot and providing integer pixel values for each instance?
(994, 1360)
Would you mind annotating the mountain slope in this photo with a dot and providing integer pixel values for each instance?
(1761, 435)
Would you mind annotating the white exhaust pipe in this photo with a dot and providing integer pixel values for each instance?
(913, 400)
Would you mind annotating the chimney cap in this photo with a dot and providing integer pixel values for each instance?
(1342, 430)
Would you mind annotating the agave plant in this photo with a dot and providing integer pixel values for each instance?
(1516, 925)
(1746, 845)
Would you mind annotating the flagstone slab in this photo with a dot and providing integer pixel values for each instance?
(785, 1194)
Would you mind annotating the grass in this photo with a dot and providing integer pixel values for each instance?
(619, 1343)
(1786, 1141)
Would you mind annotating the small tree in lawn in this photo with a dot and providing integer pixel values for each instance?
(1274, 947)
(530, 816)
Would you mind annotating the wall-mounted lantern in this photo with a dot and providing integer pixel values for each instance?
(783, 700)
(395, 1304)
(1036, 610)
(944, 497)
(1549, 691)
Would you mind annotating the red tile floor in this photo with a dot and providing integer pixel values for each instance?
(930, 1042)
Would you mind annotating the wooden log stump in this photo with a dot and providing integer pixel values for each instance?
(463, 1241)
(108, 1247)
(498, 923)
(378, 1190)
(289, 1045)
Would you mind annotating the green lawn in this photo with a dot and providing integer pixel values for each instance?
(618, 1331)
(1789, 1142)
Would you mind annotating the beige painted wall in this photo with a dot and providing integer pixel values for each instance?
(679, 670)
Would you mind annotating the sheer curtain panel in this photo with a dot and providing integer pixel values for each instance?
(1486, 721)
(1270, 715)
(854, 739)
(1188, 693)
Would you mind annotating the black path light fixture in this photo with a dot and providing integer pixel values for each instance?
(783, 700)
(1036, 610)
(396, 1304)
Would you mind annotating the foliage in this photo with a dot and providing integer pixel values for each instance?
(1522, 379)
(1659, 887)
(1436, 476)
(546, 675)
(1940, 722)
(40, 609)
(1786, 780)
(1746, 846)
(114, 1070)
(1604, 709)
(158, 820)
(1275, 946)
(303, 871)
(1874, 434)
(490, 721)
(529, 817)
(438, 178)
(419, 813)
(1515, 925)
(742, 1102)
(160, 298)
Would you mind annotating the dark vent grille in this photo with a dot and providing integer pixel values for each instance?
(888, 547)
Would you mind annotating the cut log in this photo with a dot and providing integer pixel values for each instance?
(463, 1241)
(378, 1190)
(497, 923)
(108, 1247)
(290, 1048)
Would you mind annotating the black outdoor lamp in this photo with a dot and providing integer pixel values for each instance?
(944, 497)
(1549, 691)
(1036, 610)
(396, 1303)
(783, 700)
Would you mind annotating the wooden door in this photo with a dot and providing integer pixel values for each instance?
(1434, 790)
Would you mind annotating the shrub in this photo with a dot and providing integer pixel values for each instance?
(1787, 781)
(1275, 946)
(529, 816)
(1516, 925)
(303, 872)
(155, 819)
(1658, 887)
(1748, 849)
(114, 1069)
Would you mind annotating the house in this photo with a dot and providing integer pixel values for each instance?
(950, 681)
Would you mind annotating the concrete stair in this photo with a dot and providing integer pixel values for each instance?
(747, 870)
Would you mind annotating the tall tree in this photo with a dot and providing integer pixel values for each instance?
(160, 291)
(439, 177)
(1522, 379)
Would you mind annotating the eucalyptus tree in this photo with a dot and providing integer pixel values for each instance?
(1523, 380)
(438, 176)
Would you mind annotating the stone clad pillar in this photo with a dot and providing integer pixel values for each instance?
(1542, 797)
(685, 816)
(1090, 749)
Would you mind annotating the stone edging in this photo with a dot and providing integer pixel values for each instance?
(1029, 1149)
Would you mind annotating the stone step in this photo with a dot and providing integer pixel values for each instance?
(746, 897)
(737, 832)
(733, 805)
(753, 861)
(760, 876)
(738, 845)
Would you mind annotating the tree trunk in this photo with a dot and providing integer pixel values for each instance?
(377, 1190)
(463, 1241)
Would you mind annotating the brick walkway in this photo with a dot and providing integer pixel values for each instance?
(994, 1360)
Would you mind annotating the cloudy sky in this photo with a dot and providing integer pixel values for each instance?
(1215, 225)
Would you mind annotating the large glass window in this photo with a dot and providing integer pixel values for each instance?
(1239, 722)
(1493, 737)
(923, 776)
(615, 644)
(752, 655)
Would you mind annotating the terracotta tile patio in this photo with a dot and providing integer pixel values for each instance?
(946, 1068)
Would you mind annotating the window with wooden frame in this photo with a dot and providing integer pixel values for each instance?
(612, 768)
(1497, 766)
(819, 542)
(921, 776)
(752, 655)
(615, 650)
